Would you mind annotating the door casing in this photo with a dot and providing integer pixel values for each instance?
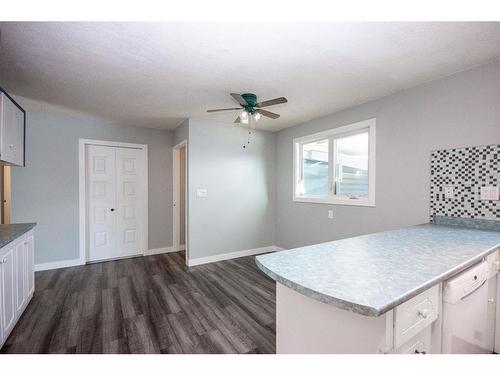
(176, 197)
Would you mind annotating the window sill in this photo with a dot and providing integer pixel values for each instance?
(338, 201)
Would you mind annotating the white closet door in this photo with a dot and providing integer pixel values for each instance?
(130, 192)
(101, 201)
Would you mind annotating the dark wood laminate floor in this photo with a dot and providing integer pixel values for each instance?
(151, 304)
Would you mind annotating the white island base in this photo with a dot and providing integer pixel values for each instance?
(307, 326)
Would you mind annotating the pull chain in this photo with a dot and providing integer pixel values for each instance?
(249, 132)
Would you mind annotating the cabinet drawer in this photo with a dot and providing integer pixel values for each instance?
(414, 315)
(418, 344)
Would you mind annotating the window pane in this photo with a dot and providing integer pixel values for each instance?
(315, 168)
(351, 166)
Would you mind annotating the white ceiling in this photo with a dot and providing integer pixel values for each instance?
(157, 74)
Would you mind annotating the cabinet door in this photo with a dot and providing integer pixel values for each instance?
(29, 248)
(497, 328)
(8, 291)
(2, 338)
(20, 275)
(12, 132)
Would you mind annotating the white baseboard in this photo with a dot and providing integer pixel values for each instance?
(78, 262)
(159, 250)
(232, 255)
(162, 250)
(61, 264)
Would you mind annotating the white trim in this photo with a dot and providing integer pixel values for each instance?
(331, 135)
(335, 131)
(78, 262)
(60, 264)
(337, 201)
(175, 196)
(232, 255)
(82, 142)
(159, 250)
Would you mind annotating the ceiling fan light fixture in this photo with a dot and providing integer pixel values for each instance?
(250, 111)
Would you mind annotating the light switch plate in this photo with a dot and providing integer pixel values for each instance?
(330, 214)
(448, 192)
(202, 193)
(489, 193)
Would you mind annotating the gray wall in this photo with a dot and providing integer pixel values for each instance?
(456, 111)
(239, 212)
(46, 191)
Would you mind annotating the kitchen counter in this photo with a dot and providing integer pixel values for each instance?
(9, 232)
(374, 273)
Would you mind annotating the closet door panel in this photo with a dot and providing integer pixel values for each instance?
(101, 203)
(130, 192)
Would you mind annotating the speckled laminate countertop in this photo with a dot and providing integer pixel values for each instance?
(374, 273)
(9, 232)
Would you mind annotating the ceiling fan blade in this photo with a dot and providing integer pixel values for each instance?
(225, 109)
(263, 112)
(239, 99)
(237, 121)
(267, 103)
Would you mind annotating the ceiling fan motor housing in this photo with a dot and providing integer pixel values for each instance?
(251, 99)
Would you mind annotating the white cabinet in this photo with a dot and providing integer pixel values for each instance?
(408, 328)
(414, 315)
(497, 324)
(418, 344)
(29, 248)
(12, 131)
(1, 308)
(16, 281)
(8, 277)
(20, 276)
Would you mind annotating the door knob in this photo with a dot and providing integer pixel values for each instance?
(4, 260)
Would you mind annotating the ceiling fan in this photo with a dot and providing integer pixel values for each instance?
(252, 108)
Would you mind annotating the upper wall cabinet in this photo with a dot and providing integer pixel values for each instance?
(12, 131)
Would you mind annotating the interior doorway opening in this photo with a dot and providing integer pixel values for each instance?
(180, 199)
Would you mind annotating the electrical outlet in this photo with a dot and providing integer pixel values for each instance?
(330, 214)
(448, 192)
(490, 193)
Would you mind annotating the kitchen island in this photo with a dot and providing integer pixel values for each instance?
(376, 293)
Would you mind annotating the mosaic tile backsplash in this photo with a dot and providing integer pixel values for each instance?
(466, 170)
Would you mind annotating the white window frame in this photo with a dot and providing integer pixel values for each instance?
(333, 134)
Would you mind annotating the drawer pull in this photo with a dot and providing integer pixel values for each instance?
(473, 290)
(419, 352)
(423, 313)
